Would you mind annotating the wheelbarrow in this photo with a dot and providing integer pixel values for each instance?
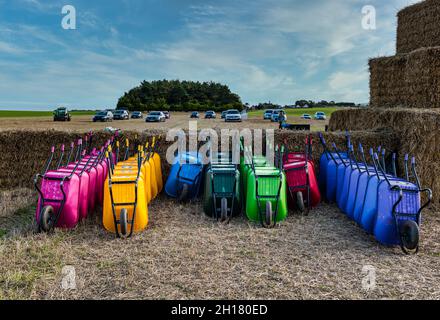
(185, 176)
(398, 216)
(63, 196)
(266, 194)
(328, 160)
(332, 169)
(301, 179)
(222, 198)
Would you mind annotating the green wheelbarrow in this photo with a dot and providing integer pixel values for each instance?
(222, 197)
(266, 193)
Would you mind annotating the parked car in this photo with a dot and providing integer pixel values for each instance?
(268, 114)
(194, 115)
(274, 116)
(137, 115)
(224, 114)
(306, 116)
(155, 116)
(233, 115)
(61, 114)
(121, 115)
(167, 114)
(320, 116)
(210, 115)
(103, 116)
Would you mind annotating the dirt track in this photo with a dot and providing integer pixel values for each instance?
(178, 120)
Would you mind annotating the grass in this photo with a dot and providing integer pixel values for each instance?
(298, 112)
(31, 114)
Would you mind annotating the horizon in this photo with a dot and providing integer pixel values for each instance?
(263, 52)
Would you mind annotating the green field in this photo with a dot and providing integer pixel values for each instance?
(298, 112)
(31, 114)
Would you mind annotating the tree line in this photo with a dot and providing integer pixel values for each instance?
(176, 95)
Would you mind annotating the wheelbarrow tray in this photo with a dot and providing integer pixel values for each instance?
(368, 215)
(328, 180)
(84, 187)
(125, 194)
(385, 228)
(189, 172)
(222, 182)
(268, 187)
(296, 178)
(93, 180)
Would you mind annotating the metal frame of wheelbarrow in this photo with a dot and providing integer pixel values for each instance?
(258, 197)
(122, 204)
(62, 202)
(408, 223)
(308, 149)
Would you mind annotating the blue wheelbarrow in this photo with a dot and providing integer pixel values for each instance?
(185, 176)
(328, 169)
(399, 209)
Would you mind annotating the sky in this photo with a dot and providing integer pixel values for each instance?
(279, 51)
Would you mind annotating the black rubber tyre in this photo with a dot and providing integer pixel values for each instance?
(184, 193)
(224, 210)
(300, 202)
(47, 217)
(123, 221)
(409, 234)
(269, 214)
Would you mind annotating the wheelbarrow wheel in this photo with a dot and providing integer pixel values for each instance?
(269, 214)
(300, 202)
(184, 193)
(409, 235)
(46, 219)
(224, 210)
(123, 221)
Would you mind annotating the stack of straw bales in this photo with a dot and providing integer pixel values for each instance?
(411, 78)
(405, 92)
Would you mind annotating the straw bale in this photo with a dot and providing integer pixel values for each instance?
(419, 26)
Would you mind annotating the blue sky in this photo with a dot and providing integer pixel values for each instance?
(277, 51)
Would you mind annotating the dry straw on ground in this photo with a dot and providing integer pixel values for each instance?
(185, 255)
(418, 26)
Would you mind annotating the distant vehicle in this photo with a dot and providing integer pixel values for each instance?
(194, 115)
(137, 115)
(167, 114)
(233, 115)
(306, 116)
(224, 114)
(103, 116)
(61, 114)
(268, 114)
(320, 116)
(121, 115)
(210, 115)
(274, 116)
(155, 116)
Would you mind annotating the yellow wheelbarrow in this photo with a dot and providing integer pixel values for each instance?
(125, 208)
